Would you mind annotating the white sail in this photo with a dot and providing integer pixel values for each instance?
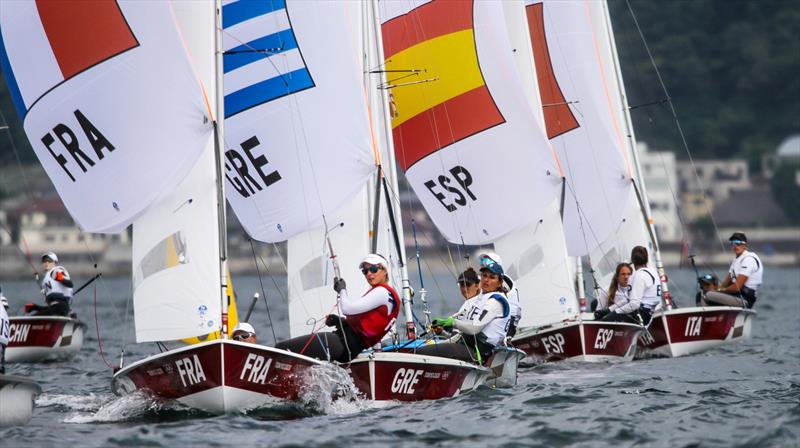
(461, 130)
(297, 129)
(176, 268)
(583, 123)
(536, 254)
(108, 100)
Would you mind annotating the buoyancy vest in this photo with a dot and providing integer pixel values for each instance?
(4, 326)
(371, 326)
(495, 331)
(51, 286)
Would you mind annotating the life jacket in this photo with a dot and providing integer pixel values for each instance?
(371, 326)
(52, 286)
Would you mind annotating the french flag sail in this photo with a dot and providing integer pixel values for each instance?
(297, 128)
(108, 100)
(465, 136)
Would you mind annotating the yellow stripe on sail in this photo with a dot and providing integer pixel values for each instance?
(172, 252)
(233, 318)
(450, 64)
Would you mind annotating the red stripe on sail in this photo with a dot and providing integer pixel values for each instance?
(558, 117)
(444, 124)
(84, 33)
(426, 22)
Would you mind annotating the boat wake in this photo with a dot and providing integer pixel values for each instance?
(329, 389)
(99, 409)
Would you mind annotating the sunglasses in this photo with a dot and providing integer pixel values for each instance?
(486, 262)
(737, 243)
(242, 336)
(373, 269)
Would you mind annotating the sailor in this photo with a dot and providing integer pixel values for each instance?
(615, 305)
(366, 321)
(739, 286)
(486, 329)
(469, 285)
(244, 332)
(645, 285)
(4, 330)
(512, 293)
(707, 282)
(56, 288)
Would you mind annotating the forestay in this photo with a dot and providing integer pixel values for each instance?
(296, 123)
(108, 100)
(462, 132)
(176, 242)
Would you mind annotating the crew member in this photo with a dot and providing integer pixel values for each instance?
(56, 288)
(707, 282)
(470, 287)
(366, 321)
(486, 330)
(743, 277)
(616, 305)
(645, 285)
(512, 293)
(244, 332)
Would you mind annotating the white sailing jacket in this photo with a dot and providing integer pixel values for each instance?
(750, 265)
(4, 326)
(645, 288)
(50, 285)
(489, 315)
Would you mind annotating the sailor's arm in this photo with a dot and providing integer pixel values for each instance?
(491, 311)
(371, 300)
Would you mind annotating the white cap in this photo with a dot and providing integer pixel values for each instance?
(496, 258)
(244, 326)
(50, 255)
(374, 259)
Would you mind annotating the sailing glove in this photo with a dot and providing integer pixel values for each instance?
(339, 285)
(332, 320)
(445, 322)
(600, 314)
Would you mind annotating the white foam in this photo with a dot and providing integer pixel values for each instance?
(329, 389)
(118, 409)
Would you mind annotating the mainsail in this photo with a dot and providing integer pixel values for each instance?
(461, 131)
(108, 100)
(296, 123)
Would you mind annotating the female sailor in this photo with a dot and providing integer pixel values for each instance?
(485, 327)
(615, 305)
(366, 321)
(56, 288)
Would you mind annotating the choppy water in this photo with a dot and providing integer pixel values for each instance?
(744, 394)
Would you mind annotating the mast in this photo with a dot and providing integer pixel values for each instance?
(639, 188)
(218, 154)
(392, 206)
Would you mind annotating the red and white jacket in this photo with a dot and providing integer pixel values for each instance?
(373, 314)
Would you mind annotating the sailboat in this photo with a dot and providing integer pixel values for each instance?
(155, 163)
(44, 338)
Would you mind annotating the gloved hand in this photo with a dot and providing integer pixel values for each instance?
(600, 314)
(444, 322)
(339, 284)
(331, 320)
(29, 307)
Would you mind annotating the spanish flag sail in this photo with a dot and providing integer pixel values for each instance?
(463, 133)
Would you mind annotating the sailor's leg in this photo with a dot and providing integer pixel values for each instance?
(715, 298)
(320, 345)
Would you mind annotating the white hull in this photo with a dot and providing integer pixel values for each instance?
(17, 397)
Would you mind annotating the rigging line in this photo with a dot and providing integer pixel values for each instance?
(263, 291)
(677, 122)
(97, 331)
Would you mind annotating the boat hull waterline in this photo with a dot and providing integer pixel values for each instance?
(585, 340)
(220, 376)
(386, 377)
(687, 331)
(43, 338)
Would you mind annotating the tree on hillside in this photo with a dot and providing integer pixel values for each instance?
(786, 191)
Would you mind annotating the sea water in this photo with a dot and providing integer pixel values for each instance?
(742, 394)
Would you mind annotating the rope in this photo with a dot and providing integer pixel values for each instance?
(97, 331)
(263, 292)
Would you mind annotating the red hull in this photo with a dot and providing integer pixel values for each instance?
(410, 377)
(219, 376)
(581, 340)
(40, 338)
(685, 331)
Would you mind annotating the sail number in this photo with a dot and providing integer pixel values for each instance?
(693, 326)
(604, 336)
(19, 332)
(256, 368)
(190, 371)
(405, 380)
(69, 140)
(453, 191)
(554, 343)
(238, 169)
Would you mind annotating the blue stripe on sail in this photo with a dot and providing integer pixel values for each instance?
(243, 10)
(272, 44)
(267, 90)
(11, 81)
